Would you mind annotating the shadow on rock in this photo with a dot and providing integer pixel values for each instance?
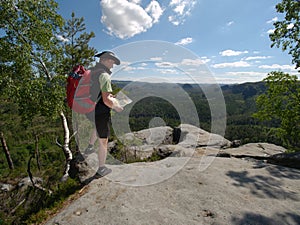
(262, 186)
(257, 219)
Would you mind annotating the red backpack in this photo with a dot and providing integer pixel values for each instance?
(78, 90)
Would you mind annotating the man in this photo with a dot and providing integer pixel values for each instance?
(105, 102)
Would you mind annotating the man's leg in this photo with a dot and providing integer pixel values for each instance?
(102, 152)
(103, 131)
(93, 137)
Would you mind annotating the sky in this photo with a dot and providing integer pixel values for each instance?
(185, 41)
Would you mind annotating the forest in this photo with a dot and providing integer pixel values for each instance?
(37, 141)
(240, 101)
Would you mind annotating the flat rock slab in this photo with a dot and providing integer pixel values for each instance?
(255, 149)
(228, 191)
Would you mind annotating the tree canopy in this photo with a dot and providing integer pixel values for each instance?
(30, 45)
(281, 103)
(34, 58)
(75, 44)
(287, 31)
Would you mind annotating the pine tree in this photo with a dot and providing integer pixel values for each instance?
(75, 45)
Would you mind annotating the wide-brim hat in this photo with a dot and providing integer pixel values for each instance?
(108, 55)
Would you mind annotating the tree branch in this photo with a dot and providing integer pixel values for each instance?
(6, 151)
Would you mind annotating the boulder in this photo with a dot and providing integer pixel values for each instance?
(192, 136)
(6, 187)
(142, 144)
(151, 136)
(269, 153)
(26, 182)
(168, 142)
(174, 151)
(163, 141)
(253, 150)
(286, 159)
(236, 143)
(81, 168)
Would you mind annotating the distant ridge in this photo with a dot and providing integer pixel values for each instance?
(255, 87)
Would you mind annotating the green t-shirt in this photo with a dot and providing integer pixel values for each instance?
(105, 82)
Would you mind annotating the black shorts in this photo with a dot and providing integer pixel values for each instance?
(102, 123)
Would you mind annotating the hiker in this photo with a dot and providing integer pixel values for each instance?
(101, 116)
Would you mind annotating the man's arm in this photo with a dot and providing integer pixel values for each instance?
(111, 102)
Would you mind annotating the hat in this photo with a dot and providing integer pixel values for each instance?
(108, 55)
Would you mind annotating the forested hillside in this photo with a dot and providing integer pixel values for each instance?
(240, 105)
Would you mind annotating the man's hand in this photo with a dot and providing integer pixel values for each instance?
(118, 108)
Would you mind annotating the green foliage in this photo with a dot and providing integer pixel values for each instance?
(51, 158)
(121, 153)
(29, 62)
(61, 191)
(148, 108)
(281, 103)
(39, 204)
(32, 58)
(33, 64)
(75, 45)
(47, 97)
(30, 43)
(287, 32)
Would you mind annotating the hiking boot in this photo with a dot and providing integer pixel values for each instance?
(102, 171)
(89, 150)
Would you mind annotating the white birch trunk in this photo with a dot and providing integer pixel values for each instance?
(65, 147)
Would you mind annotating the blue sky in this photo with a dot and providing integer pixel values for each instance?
(227, 39)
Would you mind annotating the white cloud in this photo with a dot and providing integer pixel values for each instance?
(168, 71)
(165, 64)
(257, 57)
(184, 41)
(232, 64)
(249, 74)
(271, 31)
(156, 58)
(62, 38)
(129, 68)
(181, 9)
(135, 1)
(232, 53)
(126, 19)
(192, 62)
(290, 26)
(205, 59)
(275, 19)
(277, 66)
(230, 23)
(240, 77)
(154, 10)
(133, 68)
